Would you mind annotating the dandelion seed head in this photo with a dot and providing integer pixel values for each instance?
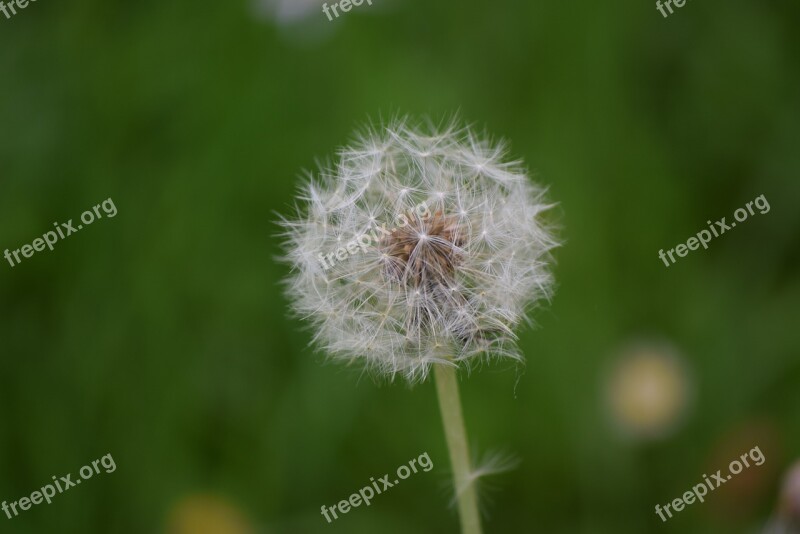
(419, 246)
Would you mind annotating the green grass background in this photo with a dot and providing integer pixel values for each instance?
(161, 335)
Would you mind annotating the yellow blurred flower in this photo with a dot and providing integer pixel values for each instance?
(647, 390)
(206, 514)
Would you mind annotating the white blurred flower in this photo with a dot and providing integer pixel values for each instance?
(788, 516)
(447, 286)
(288, 11)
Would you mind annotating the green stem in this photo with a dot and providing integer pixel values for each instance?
(456, 435)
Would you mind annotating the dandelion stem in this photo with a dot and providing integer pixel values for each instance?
(456, 436)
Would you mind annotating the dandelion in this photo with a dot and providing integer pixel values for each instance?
(436, 288)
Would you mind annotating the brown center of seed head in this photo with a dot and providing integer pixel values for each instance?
(425, 251)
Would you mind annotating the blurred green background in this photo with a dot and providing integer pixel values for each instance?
(161, 335)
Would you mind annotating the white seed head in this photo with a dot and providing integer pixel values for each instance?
(419, 246)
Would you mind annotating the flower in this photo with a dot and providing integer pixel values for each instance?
(648, 389)
(288, 11)
(790, 497)
(444, 284)
(207, 514)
